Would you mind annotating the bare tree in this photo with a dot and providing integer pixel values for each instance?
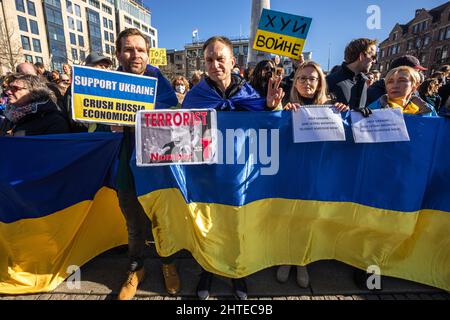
(10, 49)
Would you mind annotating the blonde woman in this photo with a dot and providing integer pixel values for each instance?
(181, 87)
(401, 85)
(309, 88)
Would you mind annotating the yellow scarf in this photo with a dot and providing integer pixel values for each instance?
(410, 108)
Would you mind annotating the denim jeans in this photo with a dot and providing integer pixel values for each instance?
(138, 226)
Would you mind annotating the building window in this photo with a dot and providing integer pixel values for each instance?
(105, 23)
(441, 34)
(77, 11)
(447, 33)
(80, 41)
(394, 36)
(128, 20)
(39, 59)
(245, 50)
(94, 3)
(106, 35)
(82, 55)
(110, 25)
(79, 26)
(25, 43)
(29, 58)
(154, 43)
(418, 43)
(437, 54)
(74, 54)
(426, 41)
(106, 9)
(71, 23)
(69, 7)
(22, 24)
(20, 6)
(107, 49)
(136, 24)
(37, 45)
(235, 51)
(73, 38)
(144, 28)
(34, 27)
(444, 52)
(111, 37)
(31, 8)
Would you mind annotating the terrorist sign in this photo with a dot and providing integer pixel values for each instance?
(158, 57)
(165, 137)
(281, 33)
(317, 123)
(110, 97)
(384, 125)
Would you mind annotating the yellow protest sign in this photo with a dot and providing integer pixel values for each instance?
(158, 57)
(281, 33)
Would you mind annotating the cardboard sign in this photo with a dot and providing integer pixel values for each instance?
(281, 33)
(165, 137)
(317, 123)
(383, 125)
(110, 97)
(158, 57)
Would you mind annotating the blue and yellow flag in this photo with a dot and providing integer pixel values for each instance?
(381, 204)
(57, 208)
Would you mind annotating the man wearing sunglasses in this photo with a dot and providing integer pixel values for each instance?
(348, 82)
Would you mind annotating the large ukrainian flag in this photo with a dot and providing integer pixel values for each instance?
(384, 204)
(56, 207)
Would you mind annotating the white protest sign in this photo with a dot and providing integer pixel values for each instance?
(317, 123)
(165, 137)
(384, 125)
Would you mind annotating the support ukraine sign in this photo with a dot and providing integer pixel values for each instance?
(110, 97)
(281, 33)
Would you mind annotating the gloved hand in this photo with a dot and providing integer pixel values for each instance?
(365, 111)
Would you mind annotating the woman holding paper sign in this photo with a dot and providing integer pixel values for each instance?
(401, 83)
(309, 88)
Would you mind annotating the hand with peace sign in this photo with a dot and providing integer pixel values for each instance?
(275, 94)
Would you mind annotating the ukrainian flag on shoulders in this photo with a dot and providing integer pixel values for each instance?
(385, 204)
(57, 207)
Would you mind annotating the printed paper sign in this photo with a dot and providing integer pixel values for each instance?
(317, 123)
(158, 57)
(281, 33)
(165, 137)
(110, 97)
(384, 125)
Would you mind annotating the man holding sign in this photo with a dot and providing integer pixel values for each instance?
(132, 53)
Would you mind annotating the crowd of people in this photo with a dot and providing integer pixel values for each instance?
(37, 102)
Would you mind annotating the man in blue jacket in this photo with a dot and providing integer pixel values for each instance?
(132, 52)
(224, 91)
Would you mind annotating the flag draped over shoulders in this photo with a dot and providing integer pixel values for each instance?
(204, 96)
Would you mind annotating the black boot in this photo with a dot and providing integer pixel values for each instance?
(240, 288)
(204, 285)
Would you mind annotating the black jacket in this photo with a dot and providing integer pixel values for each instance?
(46, 120)
(375, 91)
(347, 87)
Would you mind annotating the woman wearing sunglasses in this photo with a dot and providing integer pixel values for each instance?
(31, 108)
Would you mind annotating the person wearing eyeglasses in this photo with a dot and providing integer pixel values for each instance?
(63, 83)
(348, 82)
(31, 108)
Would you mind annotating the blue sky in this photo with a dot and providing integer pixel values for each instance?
(334, 23)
